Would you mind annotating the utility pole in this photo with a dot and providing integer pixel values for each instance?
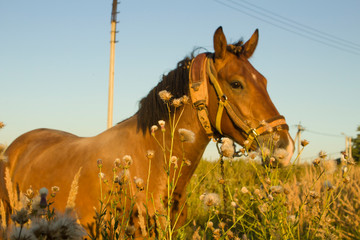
(298, 135)
(112, 62)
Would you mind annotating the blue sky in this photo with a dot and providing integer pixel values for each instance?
(54, 60)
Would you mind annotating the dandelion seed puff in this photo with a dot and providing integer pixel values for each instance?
(211, 199)
(314, 194)
(20, 217)
(174, 159)
(185, 99)
(186, 135)
(176, 102)
(265, 152)
(264, 208)
(127, 160)
(73, 191)
(227, 147)
(281, 154)
(165, 95)
(153, 129)
(276, 137)
(162, 124)
(329, 166)
(117, 162)
(244, 190)
(276, 189)
(139, 183)
(26, 234)
(65, 227)
(124, 176)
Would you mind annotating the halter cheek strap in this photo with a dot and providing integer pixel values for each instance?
(202, 69)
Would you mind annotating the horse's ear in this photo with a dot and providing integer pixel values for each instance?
(219, 43)
(250, 46)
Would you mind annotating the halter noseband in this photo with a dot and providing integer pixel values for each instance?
(202, 69)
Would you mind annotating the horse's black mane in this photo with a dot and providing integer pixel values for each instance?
(152, 108)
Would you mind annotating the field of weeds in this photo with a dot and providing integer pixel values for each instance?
(319, 200)
(227, 199)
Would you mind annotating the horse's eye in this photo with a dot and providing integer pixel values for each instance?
(237, 84)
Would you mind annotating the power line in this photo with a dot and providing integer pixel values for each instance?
(280, 24)
(310, 29)
(304, 129)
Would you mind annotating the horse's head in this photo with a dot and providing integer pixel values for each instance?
(238, 103)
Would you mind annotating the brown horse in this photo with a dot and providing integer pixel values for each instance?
(228, 98)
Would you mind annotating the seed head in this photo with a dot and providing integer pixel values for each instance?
(280, 154)
(244, 190)
(186, 135)
(127, 160)
(29, 193)
(316, 161)
(165, 95)
(150, 154)
(227, 147)
(304, 142)
(20, 217)
(99, 163)
(124, 176)
(276, 189)
(210, 224)
(187, 162)
(101, 175)
(177, 102)
(117, 162)
(55, 189)
(162, 124)
(153, 129)
(185, 99)
(346, 179)
(211, 199)
(139, 183)
(322, 154)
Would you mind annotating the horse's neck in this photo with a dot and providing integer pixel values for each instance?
(127, 131)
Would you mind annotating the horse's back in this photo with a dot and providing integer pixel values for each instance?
(33, 143)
